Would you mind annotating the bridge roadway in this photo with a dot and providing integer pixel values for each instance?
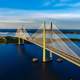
(57, 32)
(56, 40)
(60, 53)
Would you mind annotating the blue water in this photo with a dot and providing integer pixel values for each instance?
(34, 30)
(16, 64)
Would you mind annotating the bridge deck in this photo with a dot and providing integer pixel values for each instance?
(60, 53)
(48, 40)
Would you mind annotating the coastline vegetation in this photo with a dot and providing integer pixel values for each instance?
(14, 40)
(9, 39)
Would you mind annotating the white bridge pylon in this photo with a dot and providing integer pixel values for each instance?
(21, 33)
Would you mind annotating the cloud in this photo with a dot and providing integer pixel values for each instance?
(62, 3)
(9, 18)
(74, 6)
(53, 2)
(24, 15)
(48, 3)
(58, 16)
(15, 15)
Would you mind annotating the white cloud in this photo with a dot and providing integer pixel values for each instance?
(12, 16)
(61, 3)
(48, 3)
(24, 15)
(75, 5)
(68, 5)
(58, 16)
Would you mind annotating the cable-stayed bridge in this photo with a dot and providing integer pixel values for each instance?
(54, 44)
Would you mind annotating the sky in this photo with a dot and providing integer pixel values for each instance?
(40, 4)
(23, 10)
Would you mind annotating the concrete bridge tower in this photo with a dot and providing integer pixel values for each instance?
(44, 44)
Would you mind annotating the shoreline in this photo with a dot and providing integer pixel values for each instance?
(9, 39)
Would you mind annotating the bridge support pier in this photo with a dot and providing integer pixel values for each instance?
(51, 56)
(22, 41)
(19, 41)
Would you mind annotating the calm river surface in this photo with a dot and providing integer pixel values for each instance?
(16, 64)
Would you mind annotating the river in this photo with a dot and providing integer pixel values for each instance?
(16, 64)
